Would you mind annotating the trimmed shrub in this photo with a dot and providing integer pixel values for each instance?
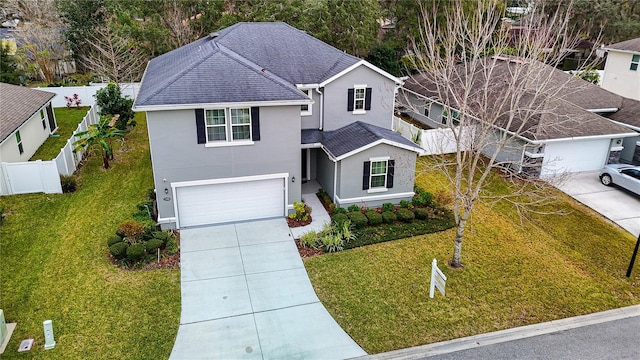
(339, 219)
(422, 199)
(421, 213)
(152, 245)
(405, 215)
(405, 204)
(69, 183)
(131, 230)
(309, 240)
(354, 208)
(358, 219)
(339, 210)
(135, 252)
(389, 217)
(119, 250)
(162, 236)
(113, 239)
(301, 211)
(172, 246)
(387, 207)
(374, 217)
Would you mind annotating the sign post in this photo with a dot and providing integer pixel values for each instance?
(633, 257)
(438, 279)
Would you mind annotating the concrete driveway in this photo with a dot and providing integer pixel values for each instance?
(614, 203)
(246, 295)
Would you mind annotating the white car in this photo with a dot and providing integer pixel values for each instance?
(625, 176)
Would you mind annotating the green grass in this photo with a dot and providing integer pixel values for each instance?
(550, 268)
(54, 265)
(67, 120)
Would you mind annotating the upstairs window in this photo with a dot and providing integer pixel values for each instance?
(635, 60)
(240, 124)
(359, 99)
(216, 124)
(305, 110)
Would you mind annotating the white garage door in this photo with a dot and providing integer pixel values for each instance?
(226, 202)
(575, 156)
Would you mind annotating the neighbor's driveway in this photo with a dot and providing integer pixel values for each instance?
(617, 205)
(246, 295)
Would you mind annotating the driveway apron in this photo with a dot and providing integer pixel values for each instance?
(246, 295)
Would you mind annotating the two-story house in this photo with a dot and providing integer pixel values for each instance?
(239, 119)
(622, 69)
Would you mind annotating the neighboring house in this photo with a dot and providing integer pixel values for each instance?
(563, 133)
(26, 121)
(239, 119)
(622, 69)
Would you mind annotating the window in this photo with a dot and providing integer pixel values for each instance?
(445, 116)
(216, 125)
(427, 108)
(378, 174)
(19, 141)
(635, 60)
(358, 99)
(456, 117)
(305, 110)
(44, 120)
(240, 124)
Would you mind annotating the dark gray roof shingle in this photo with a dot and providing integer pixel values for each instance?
(244, 62)
(18, 104)
(628, 45)
(357, 135)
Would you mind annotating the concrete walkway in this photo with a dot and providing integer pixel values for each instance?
(611, 334)
(246, 295)
(319, 216)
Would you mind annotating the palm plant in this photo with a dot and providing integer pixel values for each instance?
(99, 135)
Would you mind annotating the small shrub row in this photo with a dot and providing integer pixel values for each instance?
(332, 238)
(122, 248)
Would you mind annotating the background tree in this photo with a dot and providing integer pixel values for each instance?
(9, 71)
(489, 94)
(99, 135)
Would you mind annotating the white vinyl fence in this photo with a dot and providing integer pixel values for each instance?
(44, 176)
(86, 93)
(433, 141)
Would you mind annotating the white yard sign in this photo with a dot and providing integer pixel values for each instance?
(438, 279)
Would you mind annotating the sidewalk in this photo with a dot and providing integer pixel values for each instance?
(319, 216)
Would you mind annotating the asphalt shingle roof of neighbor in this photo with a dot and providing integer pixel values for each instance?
(357, 135)
(18, 104)
(552, 103)
(629, 113)
(244, 62)
(627, 45)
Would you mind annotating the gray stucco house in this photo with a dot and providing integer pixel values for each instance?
(239, 119)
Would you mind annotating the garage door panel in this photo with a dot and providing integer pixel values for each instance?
(219, 203)
(575, 156)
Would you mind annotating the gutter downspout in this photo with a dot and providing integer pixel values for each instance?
(321, 108)
(335, 181)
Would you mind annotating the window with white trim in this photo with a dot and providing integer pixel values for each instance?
(378, 175)
(635, 61)
(427, 107)
(240, 124)
(43, 118)
(358, 98)
(216, 124)
(19, 141)
(305, 110)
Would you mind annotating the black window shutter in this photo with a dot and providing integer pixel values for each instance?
(367, 99)
(255, 123)
(350, 100)
(365, 175)
(390, 171)
(202, 136)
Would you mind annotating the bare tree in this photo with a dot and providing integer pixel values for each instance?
(499, 94)
(114, 56)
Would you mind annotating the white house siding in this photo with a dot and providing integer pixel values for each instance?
(336, 114)
(32, 134)
(178, 157)
(351, 172)
(575, 156)
(618, 78)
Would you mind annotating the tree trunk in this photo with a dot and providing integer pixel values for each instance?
(456, 261)
(105, 160)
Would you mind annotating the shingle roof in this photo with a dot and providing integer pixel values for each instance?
(244, 62)
(629, 113)
(551, 103)
(628, 45)
(18, 104)
(357, 135)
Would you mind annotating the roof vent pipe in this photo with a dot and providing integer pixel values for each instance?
(213, 35)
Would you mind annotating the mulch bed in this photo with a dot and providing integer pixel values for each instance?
(167, 262)
(297, 223)
(307, 252)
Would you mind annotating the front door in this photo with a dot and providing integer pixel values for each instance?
(305, 175)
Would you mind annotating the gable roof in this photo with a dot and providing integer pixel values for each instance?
(242, 63)
(553, 104)
(632, 45)
(356, 137)
(18, 104)
(629, 113)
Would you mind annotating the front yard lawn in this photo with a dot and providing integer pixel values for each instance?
(54, 265)
(550, 268)
(67, 120)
